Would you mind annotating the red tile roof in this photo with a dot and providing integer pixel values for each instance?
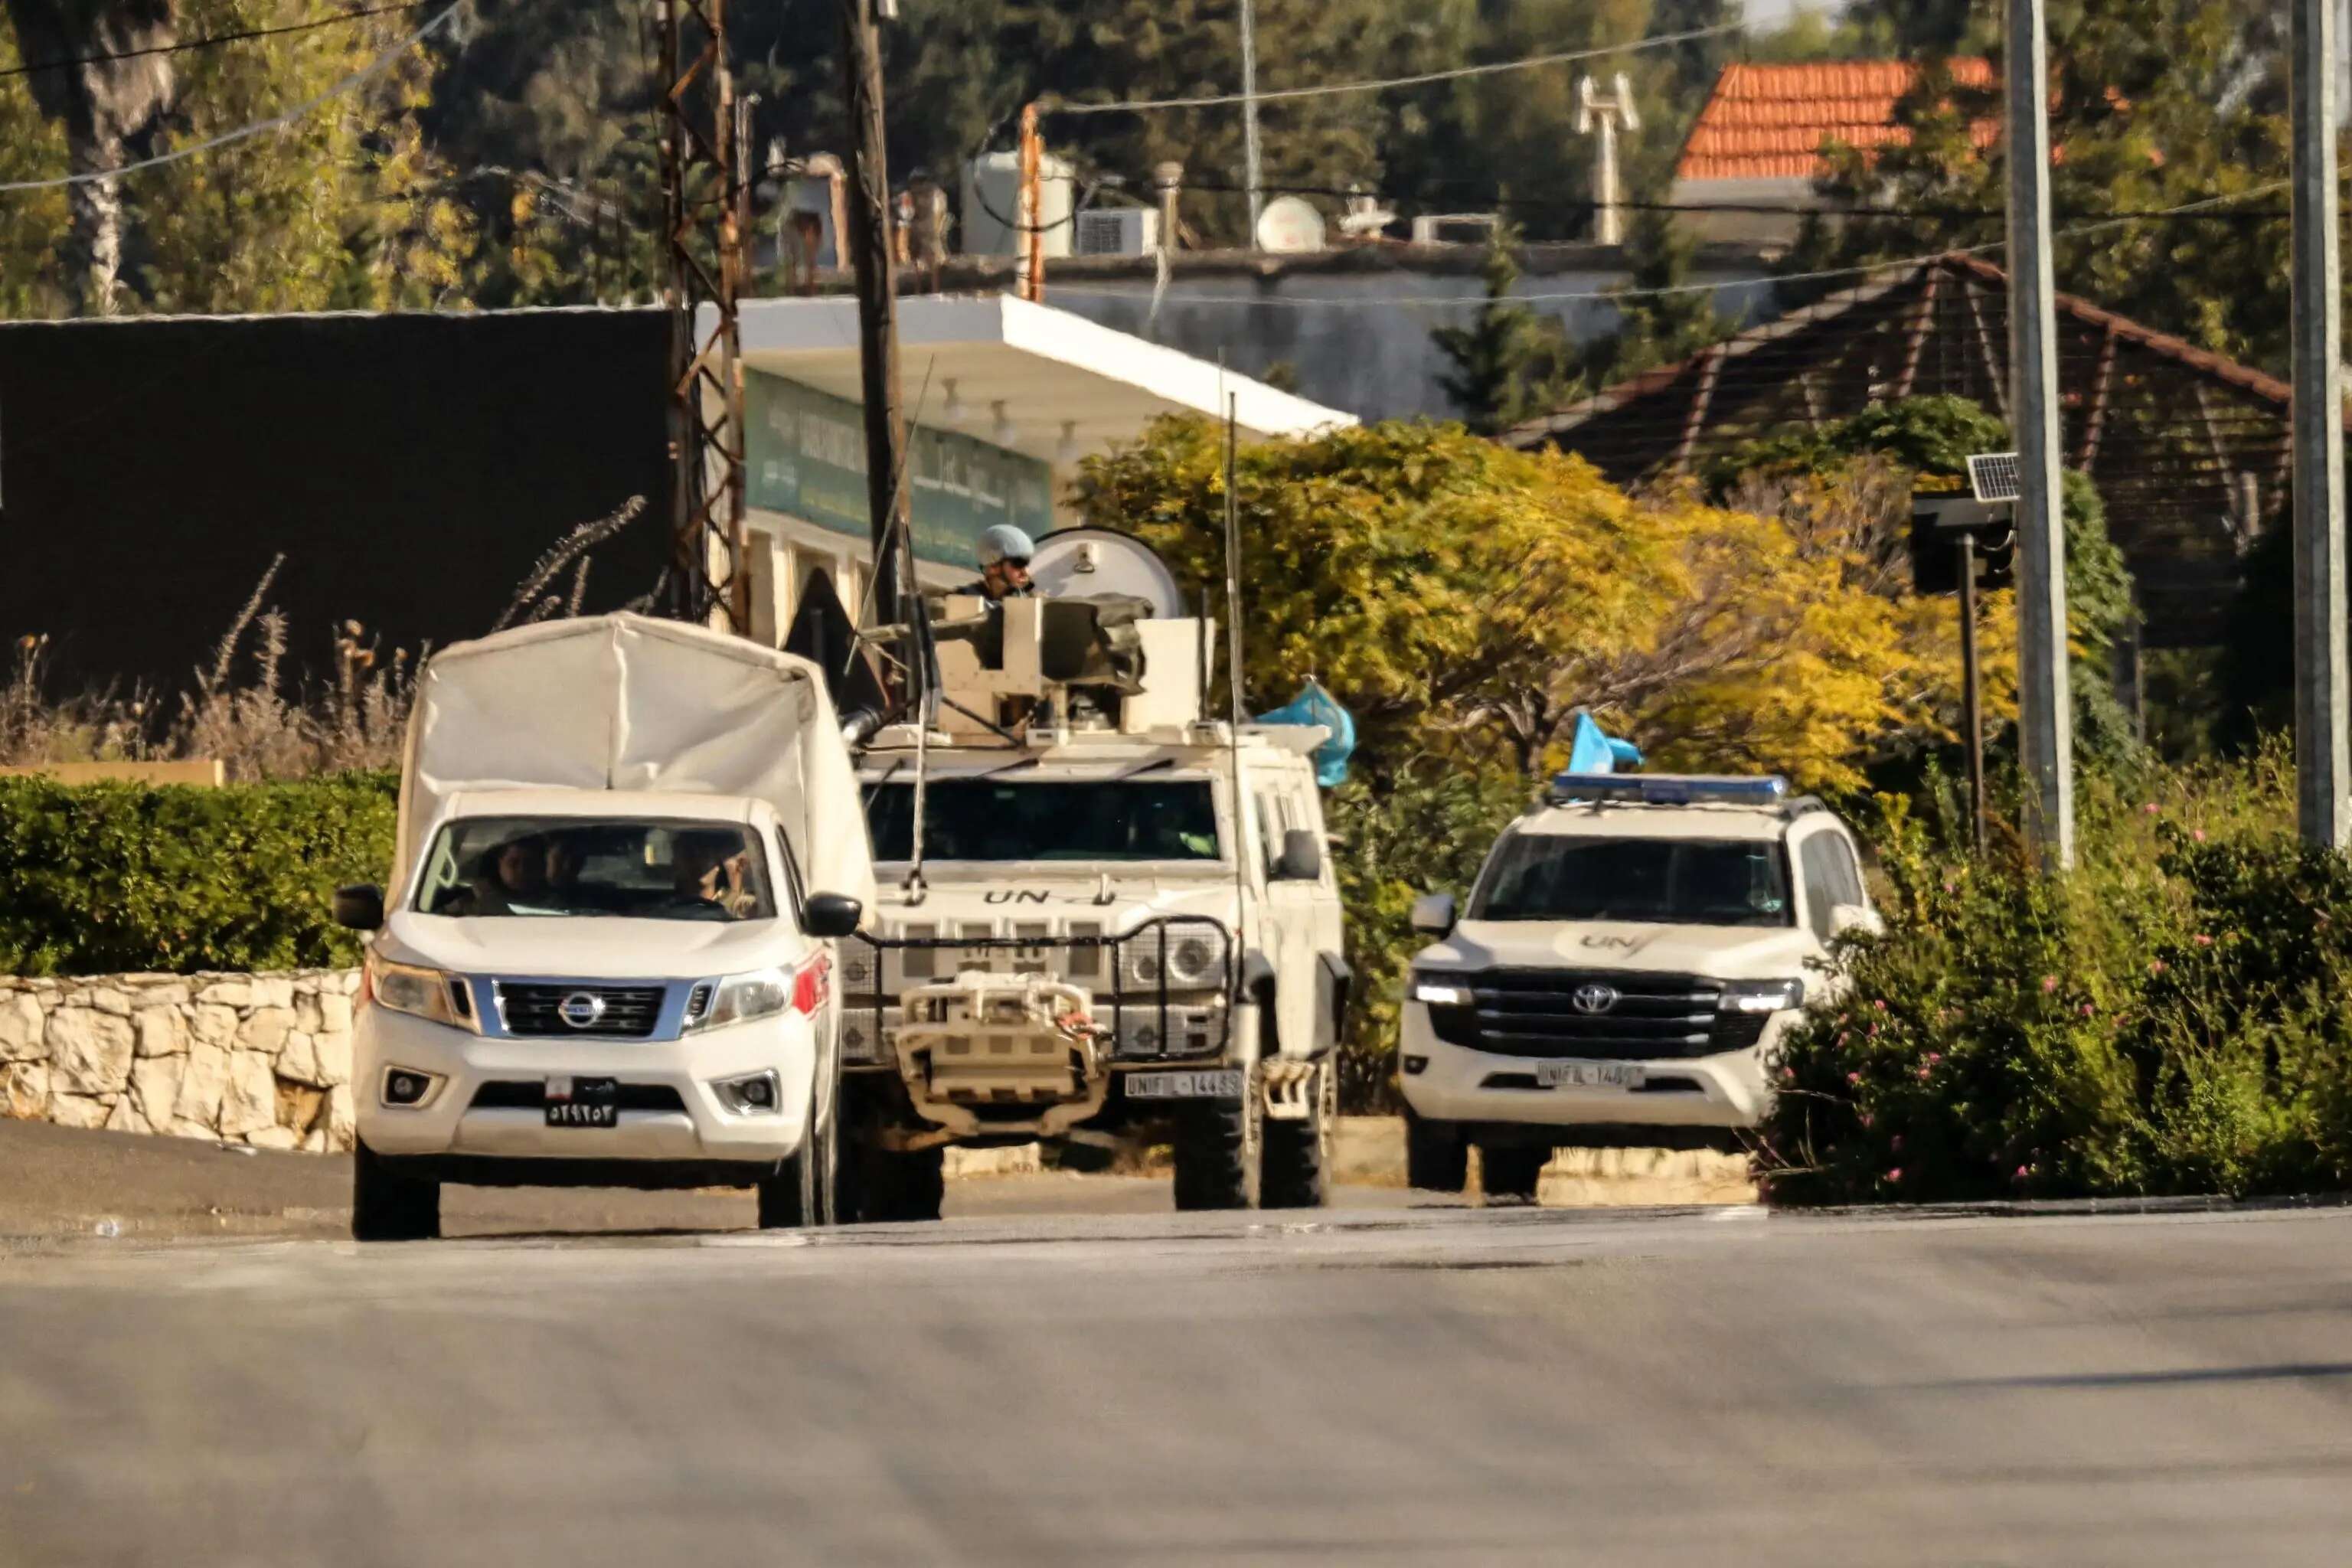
(1769, 121)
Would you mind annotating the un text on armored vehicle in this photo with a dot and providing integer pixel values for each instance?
(1632, 949)
(1100, 911)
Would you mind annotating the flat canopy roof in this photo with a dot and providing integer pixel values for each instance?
(1049, 368)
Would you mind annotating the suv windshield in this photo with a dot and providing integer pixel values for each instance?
(583, 866)
(991, 819)
(1670, 881)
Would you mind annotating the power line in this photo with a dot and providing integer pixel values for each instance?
(1420, 79)
(1407, 301)
(210, 41)
(367, 72)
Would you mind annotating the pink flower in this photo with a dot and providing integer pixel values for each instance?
(1866, 1120)
(2049, 983)
(1788, 1075)
(1853, 1077)
(2021, 1172)
(2204, 940)
(2150, 809)
(1926, 1073)
(2088, 1010)
(1896, 1175)
(2199, 836)
(1896, 1143)
(1874, 1031)
(2157, 967)
(1934, 1057)
(1879, 1002)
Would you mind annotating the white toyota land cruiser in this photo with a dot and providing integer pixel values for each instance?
(1634, 948)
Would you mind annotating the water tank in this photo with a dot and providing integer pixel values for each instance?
(991, 195)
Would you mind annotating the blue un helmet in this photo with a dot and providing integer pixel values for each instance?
(1005, 543)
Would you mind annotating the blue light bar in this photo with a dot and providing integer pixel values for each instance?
(1668, 789)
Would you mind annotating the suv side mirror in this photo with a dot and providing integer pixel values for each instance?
(1432, 914)
(1302, 856)
(359, 908)
(831, 914)
(1844, 917)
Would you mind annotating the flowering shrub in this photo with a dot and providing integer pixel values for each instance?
(2168, 1019)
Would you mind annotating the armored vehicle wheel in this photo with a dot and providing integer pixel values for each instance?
(1437, 1159)
(1512, 1172)
(388, 1206)
(1296, 1169)
(1220, 1145)
(883, 1186)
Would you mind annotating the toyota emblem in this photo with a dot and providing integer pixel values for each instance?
(583, 1008)
(1594, 998)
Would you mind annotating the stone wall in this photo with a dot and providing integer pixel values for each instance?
(264, 1060)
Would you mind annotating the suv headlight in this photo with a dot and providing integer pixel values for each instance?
(430, 994)
(1438, 989)
(1195, 960)
(1761, 995)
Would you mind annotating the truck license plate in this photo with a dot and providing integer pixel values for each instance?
(1226, 1085)
(1591, 1075)
(584, 1103)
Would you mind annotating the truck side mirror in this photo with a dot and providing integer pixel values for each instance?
(1432, 914)
(831, 914)
(359, 908)
(1302, 856)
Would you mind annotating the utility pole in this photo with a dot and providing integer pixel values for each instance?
(701, 166)
(2320, 756)
(1253, 174)
(2046, 718)
(1029, 209)
(878, 300)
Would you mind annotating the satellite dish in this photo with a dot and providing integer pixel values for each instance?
(1290, 226)
(1082, 563)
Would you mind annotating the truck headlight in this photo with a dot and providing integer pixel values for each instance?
(764, 993)
(429, 993)
(1440, 990)
(1761, 995)
(1195, 961)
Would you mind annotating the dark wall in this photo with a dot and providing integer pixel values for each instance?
(410, 466)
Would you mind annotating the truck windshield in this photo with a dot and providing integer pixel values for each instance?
(583, 866)
(1672, 882)
(1045, 819)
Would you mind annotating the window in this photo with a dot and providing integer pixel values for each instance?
(557, 866)
(1850, 890)
(1677, 882)
(1012, 819)
(1817, 862)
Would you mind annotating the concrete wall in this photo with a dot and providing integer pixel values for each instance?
(260, 1059)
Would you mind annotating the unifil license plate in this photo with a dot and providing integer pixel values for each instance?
(1226, 1085)
(584, 1103)
(1591, 1075)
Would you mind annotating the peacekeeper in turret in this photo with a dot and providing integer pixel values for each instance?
(1005, 552)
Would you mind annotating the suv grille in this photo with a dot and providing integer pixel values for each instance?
(512, 1094)
(630, 1011)
(1533, 1013)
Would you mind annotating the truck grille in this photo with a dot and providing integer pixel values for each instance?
(630, 1012)
(1533, 1013)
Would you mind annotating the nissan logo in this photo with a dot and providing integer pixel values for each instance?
(1594, 998)
(583, 1008)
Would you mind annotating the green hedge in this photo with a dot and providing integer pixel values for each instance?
(108, 878)
(2170, 1019)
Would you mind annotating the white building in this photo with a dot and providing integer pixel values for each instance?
(1002, 398)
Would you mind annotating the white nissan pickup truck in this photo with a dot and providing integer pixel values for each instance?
(627, 849)
(1634, 948)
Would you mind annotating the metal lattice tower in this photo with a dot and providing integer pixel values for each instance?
(702, 178)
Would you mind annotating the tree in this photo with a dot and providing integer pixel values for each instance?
(1509, 361)
(343, 207)
(1660, 321)
(2154, 104)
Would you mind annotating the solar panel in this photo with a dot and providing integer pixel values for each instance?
(1993, 476)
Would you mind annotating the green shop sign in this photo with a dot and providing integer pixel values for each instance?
(805, 456)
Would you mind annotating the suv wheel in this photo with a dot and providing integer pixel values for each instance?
(1296, 1170)
(1512, 1172)
(1220, 1147)
(389, 1206)
(1437, 1159)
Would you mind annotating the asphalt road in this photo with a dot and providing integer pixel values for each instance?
(1381, 1384)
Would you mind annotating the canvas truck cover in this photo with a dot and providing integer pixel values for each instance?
(627, 702)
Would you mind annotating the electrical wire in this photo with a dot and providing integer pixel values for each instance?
(1408, 301)
(367, 72)
(211, 41)
(1456, 73)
